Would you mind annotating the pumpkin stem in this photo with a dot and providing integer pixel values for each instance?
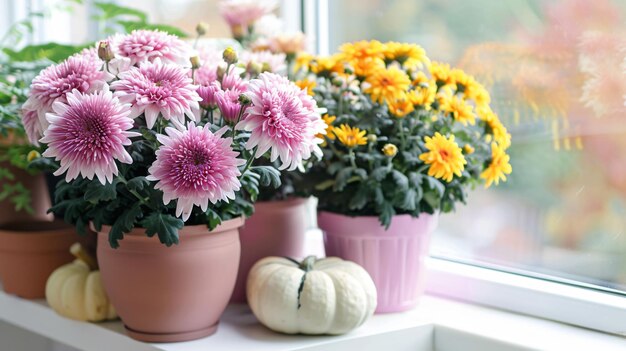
(80, 253)
(307, 263)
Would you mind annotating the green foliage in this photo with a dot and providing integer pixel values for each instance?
(165, 226)
(118, 18)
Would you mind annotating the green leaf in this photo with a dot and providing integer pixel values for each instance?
(124, 224)
(111, 10)
(268, 176)
(97, 192)
(341, 180)
(213, 219)
(359, 199)
(51, 51)
(137, 183)
(164, 225)
(325, 185)
(386, 214)
(401, 180)
(380, 173)
(436, 185)
(409, 200)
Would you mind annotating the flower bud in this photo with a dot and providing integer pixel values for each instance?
(32, 155)
(266, 67)
(221, 71)
(104, 51)
(195, 62)
(202, 28)
(230, 56)
(244, 100)
(372, 138)
(254, 68)
(468, 149)
(390, 150)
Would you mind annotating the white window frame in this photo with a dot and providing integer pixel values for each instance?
(572, 304)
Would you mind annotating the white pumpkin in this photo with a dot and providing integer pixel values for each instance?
(75, 290)
(325, 296)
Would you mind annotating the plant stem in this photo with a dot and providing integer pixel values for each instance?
(352, 157)
(249, 163)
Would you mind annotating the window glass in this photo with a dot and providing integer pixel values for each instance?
(556, 71)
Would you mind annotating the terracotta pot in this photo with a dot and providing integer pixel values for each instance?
(29, 252)
(276, 228)
(169, 294)
(39, 195)
(394, 258)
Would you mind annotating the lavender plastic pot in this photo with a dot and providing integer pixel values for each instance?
(170, 294)
(394, 258)
(276, 228)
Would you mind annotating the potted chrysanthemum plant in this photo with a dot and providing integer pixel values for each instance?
(278, 225)
(406, 139)
(145, 156)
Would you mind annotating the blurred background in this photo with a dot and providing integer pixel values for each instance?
(556, 70)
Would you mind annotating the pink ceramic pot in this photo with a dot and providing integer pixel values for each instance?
(169, 294)
(276, 228)
(394, 258)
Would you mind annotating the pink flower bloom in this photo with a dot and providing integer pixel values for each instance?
(88, 134)
(81, 72)
(148, 45)
(280, 121)
(276, 62)
(207, 94)
(228, 103)
(34, 129)
(155, 88)
(233, 81)
(195, 166)
(242, 13)
(210, 59)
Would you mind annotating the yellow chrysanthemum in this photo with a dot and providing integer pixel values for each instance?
(350, 136)
(388, 85)
(470, 88)
(307, 84)
(362, 50)
(329, 127)
(495, 128)
(390, 150)
(410, 56)
(460, 110)
(441, 73)
(423, 96)
(401, 107)
(420, 78)
(303, 60)
(327, 64)
(445, 157)
(367, 67)
(498, 168)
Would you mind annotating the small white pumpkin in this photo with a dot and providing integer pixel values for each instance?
(325, 296)
(75, 290)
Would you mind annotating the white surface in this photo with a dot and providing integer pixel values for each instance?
(437, 324)
(554, 301)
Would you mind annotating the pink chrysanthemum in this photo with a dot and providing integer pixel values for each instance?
(228, 103)
(34, 129)
(276, 62)
(207, 94)
(279, 121)
(148, 45)
(245, 12)
(88, 134)
(155, 88)
(195, 166)
(81, 72)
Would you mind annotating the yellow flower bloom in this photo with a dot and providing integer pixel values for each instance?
(460, 110)
(350, 136)
(445, 157)
(365, 57)
(302, 62)
(495, 127)
(327, 64)
(390, 150)
(401, 107)
(498, 168)
(410, 56)
(329, 127)
(420, 78)
(388, 85)
(423, 96)
(367, 67)
(441, 73)
(309, 85)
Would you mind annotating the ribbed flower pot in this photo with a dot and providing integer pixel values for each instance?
(276, 228)
(30, 252)
(394, 258)
(170, 294)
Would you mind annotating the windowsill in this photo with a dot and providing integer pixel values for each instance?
(437, 324)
